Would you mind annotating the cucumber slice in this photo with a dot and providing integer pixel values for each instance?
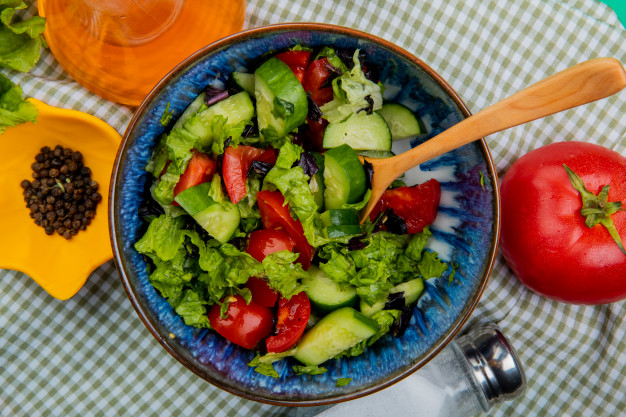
(221, 220)
(195, 199)
(401, 121)
(325, 294)
(281, 101)
(360, 131)
(244, 81)
(341, 231)
(340, 217)
(235, 109)
(412, 290)
(375, 154)
(316, 184)
(336, 332)
(344, 177)
(196, 105)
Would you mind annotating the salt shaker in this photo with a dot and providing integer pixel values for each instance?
(471, 374)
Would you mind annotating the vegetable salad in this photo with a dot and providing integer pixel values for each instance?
(253, 214)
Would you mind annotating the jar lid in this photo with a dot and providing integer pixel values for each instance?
(494, 363)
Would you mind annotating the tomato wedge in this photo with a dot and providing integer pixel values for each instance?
(265, 241)
(297, 61)
(200, 169)
(293, 316)
(236, 164)
(416, 205)
(245, 324)
(275, 215)
(260, 244)
(314, 79)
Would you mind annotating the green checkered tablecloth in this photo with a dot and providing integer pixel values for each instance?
(92, 356)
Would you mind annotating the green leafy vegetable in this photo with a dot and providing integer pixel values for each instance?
(343, 382)
(163, 239)
(14, 110)
(352, 92)
(283, 274)
(191, 307)
(431, 266)
(309, 370)
(167, 116)
(20, 41)
(334, 60)
(263, 368)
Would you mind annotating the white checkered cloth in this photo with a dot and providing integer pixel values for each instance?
(92, 356)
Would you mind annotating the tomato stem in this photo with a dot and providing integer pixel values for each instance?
(596, 208)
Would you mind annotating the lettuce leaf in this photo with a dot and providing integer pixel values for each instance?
(192, 308)
(352, 92)
(263, 368)
(20, 41)
(14, 110)
(179, 143)
(309, 370)
(430, 266)
(163, 239)
(283, 274)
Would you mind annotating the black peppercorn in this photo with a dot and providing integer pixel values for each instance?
(62, 196)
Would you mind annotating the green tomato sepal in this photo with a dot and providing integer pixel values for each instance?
(596, 208)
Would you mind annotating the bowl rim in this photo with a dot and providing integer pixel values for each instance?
(288, 27)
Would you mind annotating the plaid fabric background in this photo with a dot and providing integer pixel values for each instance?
(92, 356)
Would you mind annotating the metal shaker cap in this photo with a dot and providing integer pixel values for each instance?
(494, 363)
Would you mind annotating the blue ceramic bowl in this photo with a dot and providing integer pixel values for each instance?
(465, 232)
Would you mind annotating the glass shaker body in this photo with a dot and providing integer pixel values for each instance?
(466, 378)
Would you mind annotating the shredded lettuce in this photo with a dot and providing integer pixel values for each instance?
(343, 382)
(417, 244)
(430, 266)
(283, 274)
(309, 370)
(192, 308)
(163, 238)
(20, 41)
(352, 92)
(14, 110)
(263, 368)
(179, 144)
(332, 57)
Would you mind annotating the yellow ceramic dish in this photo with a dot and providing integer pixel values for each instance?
(60, 266)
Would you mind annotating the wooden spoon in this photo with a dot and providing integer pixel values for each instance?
(583, 83)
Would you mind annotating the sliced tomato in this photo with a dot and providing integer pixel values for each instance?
(245, 324)
(261, 292)
(275, 215)
(297, 61)
(416, 205)
(260, 244)
(236, 164)
(200, 169)
(314, 79)
(292, 318)
(265, 241)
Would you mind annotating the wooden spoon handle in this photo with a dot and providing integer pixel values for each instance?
(583, 83)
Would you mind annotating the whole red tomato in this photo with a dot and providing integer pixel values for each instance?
(544, 237)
